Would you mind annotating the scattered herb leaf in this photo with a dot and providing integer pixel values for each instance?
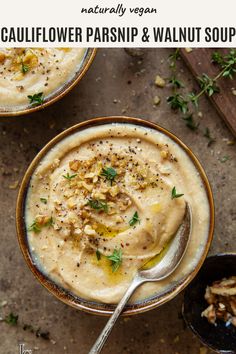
(208, 85)
(173, 58)
(176, 82)
(217, 58)
(24, 68)
(36, 99)
(98, 204)
(69, 177)
(190, 123)
(98, 255)
(135, 219)
(193, 98)
(109, 173)
(224, 159)
(174, 194)
(34, 227)
(43, 200)
(116, 259)
(50, 222)
(177, 101)
(11, 319)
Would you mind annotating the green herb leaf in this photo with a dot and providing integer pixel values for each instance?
(224, 159)
(43, 200)
(98, 204)
(50, 222)
(34, 227)
(174, 194)
(11, 319)
(208, 85)
(177, 101)
(98, 255)
(109, 173)
(193, 98)
(135, 219)
(207, 134)
(190, 123)
(24, 68)
(217, 58)
(116, 259)
(36, 99)
(69, 177)
(173, 58)
(176, 82)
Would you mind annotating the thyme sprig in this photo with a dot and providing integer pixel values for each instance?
(109, 173)
(116, 259)
(98, 205)
(185, 103)
(36, 99)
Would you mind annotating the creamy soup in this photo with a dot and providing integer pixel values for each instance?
(35, 71)
(106, 200)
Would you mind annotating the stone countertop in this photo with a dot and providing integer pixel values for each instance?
(116, 84)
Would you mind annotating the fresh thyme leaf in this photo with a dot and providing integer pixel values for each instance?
(135, 219)
(207, 134)
(69, 177)
(173, 58)
(34, 227)
(175, 82)
(193, 98)
(98, 255)
(116, 259)
(36, 99)
(24, 68)
(98, 204)
(190, 123)
(174, 194)
(11, 319)
(50, 222)
(208, 85)
(217, 58)
(177, 101)
(224, 159)
(109, 173)
(43, 200)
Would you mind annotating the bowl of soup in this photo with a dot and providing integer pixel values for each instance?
(102, 199)
(33, 78)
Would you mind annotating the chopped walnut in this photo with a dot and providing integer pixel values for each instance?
(89, 231)
(74, 165)
(221, 297)
(2, 57)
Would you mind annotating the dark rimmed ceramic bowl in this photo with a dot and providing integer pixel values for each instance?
(58, 291)
(222, 339)
(54, 97)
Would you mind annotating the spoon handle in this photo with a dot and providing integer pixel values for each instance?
(98, 345)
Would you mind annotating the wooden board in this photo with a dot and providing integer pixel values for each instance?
(199, 62)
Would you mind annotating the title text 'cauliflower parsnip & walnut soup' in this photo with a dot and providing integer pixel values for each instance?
(30, 75)
(107, 199)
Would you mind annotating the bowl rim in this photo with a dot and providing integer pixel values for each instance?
(95, 308)
(189, 325)
(62, 91)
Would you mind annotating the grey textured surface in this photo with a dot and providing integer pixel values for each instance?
(116, 84)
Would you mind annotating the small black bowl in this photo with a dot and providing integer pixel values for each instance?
(220, 338)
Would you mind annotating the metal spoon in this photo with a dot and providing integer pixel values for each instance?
(162, 270)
